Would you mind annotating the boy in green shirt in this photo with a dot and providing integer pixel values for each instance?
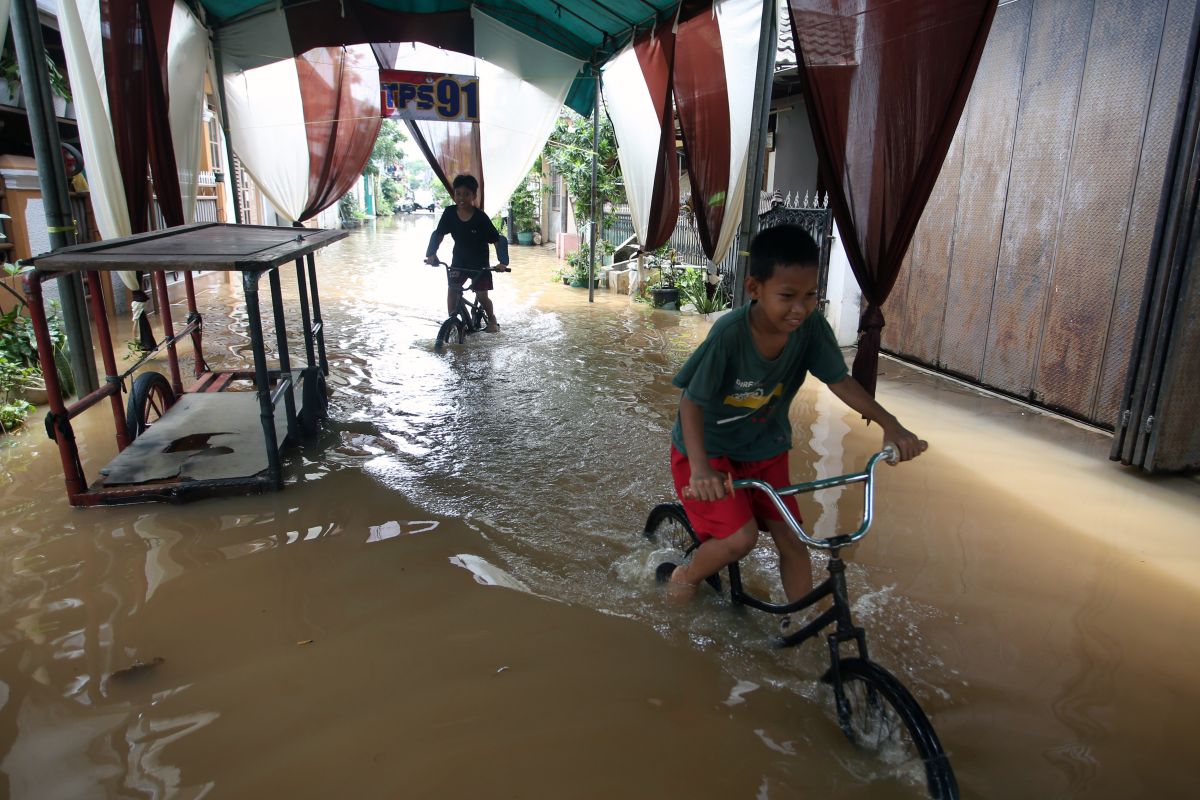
(733, 413)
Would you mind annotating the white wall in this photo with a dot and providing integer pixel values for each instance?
(845, 299)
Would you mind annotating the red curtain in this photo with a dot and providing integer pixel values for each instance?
(885, 82)
(702, 103)
(330, 23)
(339, 88)
(135, 34)
(451, 148)
(656, 54)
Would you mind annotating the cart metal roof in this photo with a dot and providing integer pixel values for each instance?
(202, 246)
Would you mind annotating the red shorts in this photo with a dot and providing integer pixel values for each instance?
(481, 283)
(717, 519)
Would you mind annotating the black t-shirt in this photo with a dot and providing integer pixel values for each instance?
(471, 238)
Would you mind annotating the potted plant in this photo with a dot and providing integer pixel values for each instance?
(10, 81)
(665, 294)
(523, 210)
(60, 87)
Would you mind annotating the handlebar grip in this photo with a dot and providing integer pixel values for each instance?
(687, 490)
(892, 453)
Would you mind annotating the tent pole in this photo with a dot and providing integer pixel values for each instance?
(768, 34)
(52, 177)
(595, 215)
(233, 171)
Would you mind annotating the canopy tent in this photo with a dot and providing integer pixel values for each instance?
(885, 80)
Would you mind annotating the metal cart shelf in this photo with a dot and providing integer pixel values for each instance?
(198, 446)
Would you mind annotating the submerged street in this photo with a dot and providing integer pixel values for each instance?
(451, 597)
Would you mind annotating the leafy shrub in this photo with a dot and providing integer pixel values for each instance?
(694, 288)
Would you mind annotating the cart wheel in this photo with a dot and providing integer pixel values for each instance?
(149, 399)
(315, 402)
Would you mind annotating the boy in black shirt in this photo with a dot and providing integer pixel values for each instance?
(472, 232)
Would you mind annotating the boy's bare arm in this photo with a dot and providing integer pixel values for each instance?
(706, 483)
(851, 392)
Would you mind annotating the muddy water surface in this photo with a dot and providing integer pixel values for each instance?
(450, 598)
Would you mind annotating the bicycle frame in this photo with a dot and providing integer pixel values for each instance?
(835, 584)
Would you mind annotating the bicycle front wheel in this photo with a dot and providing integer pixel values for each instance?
(882, 718)
(451, 332)
(668, 527)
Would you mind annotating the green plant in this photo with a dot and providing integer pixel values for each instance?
(18, 343)
(9, 70)
(569, 149)
(694, 288)
(349, 207)
(523, 209)
(390, 195)
(58, 82)
(13, 378)
(388, 148)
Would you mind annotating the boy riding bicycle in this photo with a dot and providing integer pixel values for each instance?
(472, 232)
(733, 413)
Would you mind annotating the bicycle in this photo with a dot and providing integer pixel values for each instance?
(468, 317)
(874, 709)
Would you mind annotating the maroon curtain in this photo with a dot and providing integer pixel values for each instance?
(885, 82)
(135, 34)
(330, 23)
(702, 102)
(655, 52)
(451, 148)
(339, 89)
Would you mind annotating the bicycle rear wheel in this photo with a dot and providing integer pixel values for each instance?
(668, 527)
(451, 332)
(881, 717)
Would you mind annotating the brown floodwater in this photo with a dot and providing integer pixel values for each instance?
(451, 596)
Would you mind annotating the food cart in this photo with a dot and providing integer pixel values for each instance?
(178, 443)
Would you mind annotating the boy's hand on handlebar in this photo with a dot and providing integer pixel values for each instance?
(501, 268)
(706, 484)
(907, 445)
(431, 261)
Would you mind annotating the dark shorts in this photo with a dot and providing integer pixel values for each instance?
(717, 519)
(481, 283)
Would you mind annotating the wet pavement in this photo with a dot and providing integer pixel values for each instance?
(451, 597)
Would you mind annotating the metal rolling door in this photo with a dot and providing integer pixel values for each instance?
(989, 134)
(1122, 54)
(1053, 73)
(1134, 264)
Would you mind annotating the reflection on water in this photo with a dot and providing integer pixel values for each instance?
(335, 638)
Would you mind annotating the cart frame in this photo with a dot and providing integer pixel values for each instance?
(145, 252)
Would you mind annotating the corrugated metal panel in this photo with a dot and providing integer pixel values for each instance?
(931, 250)
(1122, 54)
(1134, 264)
(1053, 73)
(897, 329)
(990, 129)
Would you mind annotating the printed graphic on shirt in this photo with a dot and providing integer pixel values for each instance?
(748, 394)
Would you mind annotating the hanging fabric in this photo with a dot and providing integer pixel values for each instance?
(637, 93)
(886, 82)
(304, 128)
(716, 58)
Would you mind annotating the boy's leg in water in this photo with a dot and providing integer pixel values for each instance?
(795, 566)
(711, 556)
(486, 302)
(451, 300)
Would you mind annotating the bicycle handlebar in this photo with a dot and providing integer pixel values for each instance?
(497, 268)
(866, 477)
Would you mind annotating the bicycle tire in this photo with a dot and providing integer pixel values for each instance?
(149, 398)
(451, 332)
(875, 710)
(668, 526)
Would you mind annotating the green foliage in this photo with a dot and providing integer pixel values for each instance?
(387, 149)
(523, 209)
(570, 151)
(441, 196)
(18, 344)
(13, 379)
(10, 70)
(391, 195)
(349, 207)
(694, 288)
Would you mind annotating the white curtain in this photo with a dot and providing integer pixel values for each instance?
(740, 22)
(187, 58)
(636, 125)
(79, 24)
(266, 123)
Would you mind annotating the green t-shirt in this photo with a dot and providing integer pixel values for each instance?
(745, 397)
